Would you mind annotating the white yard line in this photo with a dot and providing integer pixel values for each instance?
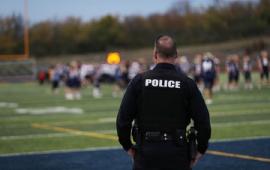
(8, 105)
(239, 139)
(236, 113)
(97, 121)
(49, 135)
(62, 151)
(228, 124)
(49, 110)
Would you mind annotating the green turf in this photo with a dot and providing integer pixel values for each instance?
(234, 114)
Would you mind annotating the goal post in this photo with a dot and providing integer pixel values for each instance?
(19, 67)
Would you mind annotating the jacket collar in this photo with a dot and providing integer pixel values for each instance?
(165, 66)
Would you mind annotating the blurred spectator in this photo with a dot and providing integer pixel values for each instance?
(197, 71)
(218, 69)
(56, 74)
(184, 64)
(143, 65)
(134, 69)
(208, 75)
(232, 67)
(247, 70)
(263, 64)
(104, 73)
(73, 82)
(41, 76)
(87, 72)
(121, 79)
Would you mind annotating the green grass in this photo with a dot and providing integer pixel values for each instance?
(234, 114)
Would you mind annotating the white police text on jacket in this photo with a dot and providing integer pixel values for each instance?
(162, 83)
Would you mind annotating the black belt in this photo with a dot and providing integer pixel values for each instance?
(157, 136)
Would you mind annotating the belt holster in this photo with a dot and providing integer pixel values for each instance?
(192, 143)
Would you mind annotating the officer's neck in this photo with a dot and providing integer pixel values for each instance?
(170, 60)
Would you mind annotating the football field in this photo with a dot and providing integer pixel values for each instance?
(33, 120)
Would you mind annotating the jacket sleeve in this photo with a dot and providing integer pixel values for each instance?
(126, 113)
(200, 116)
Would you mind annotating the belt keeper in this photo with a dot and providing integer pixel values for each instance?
(165, 136)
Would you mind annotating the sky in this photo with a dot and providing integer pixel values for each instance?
(40, 10)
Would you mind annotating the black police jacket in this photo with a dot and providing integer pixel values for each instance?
(163, 98)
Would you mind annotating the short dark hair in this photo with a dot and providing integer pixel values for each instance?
(165, 46)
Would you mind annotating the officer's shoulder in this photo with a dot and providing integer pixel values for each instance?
(141, 75)
(189, 81)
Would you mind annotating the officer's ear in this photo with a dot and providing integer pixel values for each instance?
(155, 56)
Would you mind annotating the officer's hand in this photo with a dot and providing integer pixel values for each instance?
(197, 158)
(131, 152)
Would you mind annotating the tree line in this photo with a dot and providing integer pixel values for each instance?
(217, 23)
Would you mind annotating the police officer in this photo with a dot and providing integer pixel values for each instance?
(157, 106)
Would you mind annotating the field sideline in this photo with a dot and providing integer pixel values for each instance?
(32, 119)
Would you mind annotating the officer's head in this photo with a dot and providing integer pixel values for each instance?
(165, 49)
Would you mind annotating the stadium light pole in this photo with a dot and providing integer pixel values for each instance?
(26, 30)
